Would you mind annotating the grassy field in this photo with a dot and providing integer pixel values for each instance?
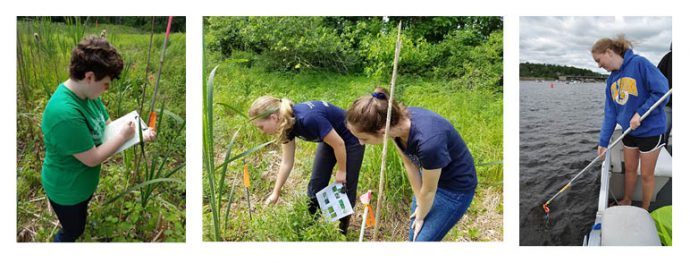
(139, 197)
(476, 113)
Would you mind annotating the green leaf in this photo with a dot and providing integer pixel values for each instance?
(208, 149)
(138, 186)
(233, 109)
(172, 115)
(224, 168)
(247, 152)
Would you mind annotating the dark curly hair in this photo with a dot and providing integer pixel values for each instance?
(97, 55)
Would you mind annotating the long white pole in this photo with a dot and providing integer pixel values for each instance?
(566, 186)
(364, 224)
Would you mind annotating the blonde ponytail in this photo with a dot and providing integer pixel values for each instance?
(264, 106)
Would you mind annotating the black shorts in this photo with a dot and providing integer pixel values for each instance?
(644, 144)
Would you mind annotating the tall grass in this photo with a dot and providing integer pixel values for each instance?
(132, 202)
(216, 187)
(476, 114)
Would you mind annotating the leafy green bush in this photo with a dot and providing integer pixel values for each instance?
(287, 42)
(378, 52)
(477, 63)
(444, 47)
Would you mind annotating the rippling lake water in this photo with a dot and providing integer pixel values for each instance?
(559, 133)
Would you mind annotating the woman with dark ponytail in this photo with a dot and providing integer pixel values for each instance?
(314, 121)
(633, 87)
(439, 166)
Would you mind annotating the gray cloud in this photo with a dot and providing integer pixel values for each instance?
(567, 40)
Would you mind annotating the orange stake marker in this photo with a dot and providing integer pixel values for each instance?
(152, 120)
(247, 183)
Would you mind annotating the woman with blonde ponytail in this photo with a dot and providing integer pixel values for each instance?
(633, 87)
(314, 121)
(439, 166)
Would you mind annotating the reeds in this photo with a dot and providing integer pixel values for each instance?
(156, 171)
(43, 54)
(217, 187)
(153, 170)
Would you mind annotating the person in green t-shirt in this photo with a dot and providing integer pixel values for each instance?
(73, 124)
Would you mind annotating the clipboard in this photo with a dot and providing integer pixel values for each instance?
(112, 129)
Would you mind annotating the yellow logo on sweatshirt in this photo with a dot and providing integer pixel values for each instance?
(621, 89)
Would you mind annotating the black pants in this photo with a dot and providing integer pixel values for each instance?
(72, 218)
(324, 161)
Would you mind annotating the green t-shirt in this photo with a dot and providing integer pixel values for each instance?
(71, 125)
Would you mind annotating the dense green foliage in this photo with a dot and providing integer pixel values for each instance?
(549, 71)
(470, 101)
(439, 47)
(137, 24)
(139, 198)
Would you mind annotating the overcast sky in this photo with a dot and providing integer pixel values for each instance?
(568, 40)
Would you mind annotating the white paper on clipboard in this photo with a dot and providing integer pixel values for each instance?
(115, 126)
(333, 203)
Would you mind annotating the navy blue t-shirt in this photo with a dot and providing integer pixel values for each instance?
(315, 119)
(434, 143)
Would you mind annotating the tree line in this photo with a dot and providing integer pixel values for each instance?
(142, 23)
(549, 71)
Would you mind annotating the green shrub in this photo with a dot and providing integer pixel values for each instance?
(444, 47)
(287, 43)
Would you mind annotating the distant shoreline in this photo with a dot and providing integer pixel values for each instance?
(585, 79)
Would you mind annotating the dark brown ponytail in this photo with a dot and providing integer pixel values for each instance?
(368, 113)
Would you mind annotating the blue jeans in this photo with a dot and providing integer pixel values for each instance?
(446, 211)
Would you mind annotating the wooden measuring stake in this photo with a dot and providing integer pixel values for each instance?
(398, 45)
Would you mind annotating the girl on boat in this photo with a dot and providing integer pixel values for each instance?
(633, 87)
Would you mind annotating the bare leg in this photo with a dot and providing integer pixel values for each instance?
(631, 158)
(647, 165)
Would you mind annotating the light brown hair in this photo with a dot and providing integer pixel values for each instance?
(618, 45)
(368, 113)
